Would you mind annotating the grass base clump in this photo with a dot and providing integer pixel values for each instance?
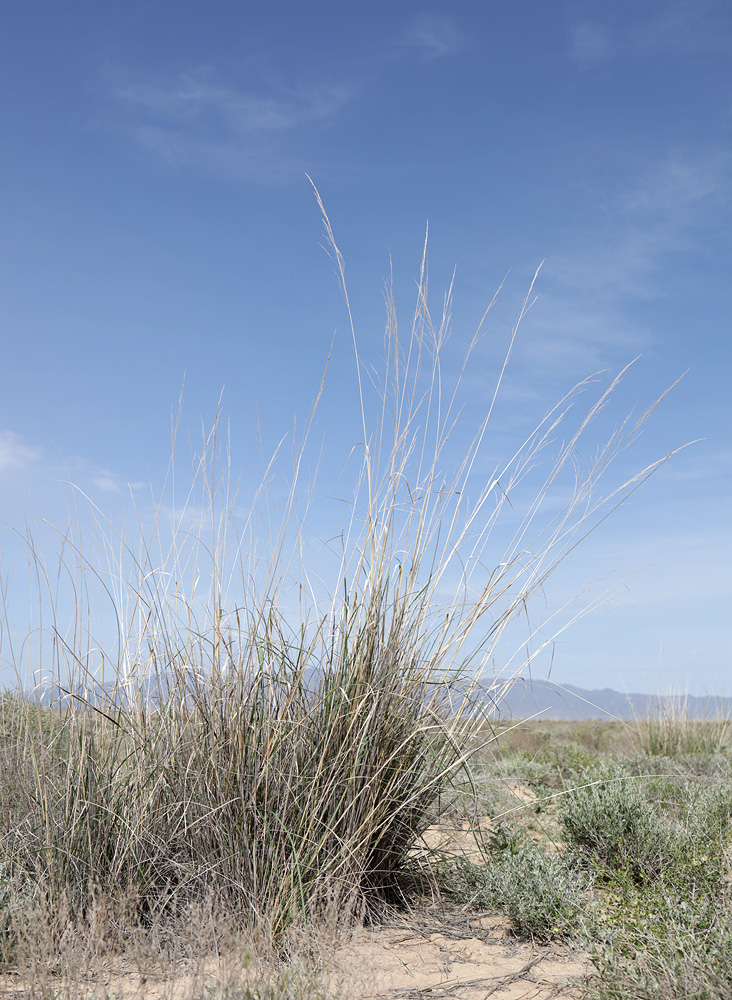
(288, 797)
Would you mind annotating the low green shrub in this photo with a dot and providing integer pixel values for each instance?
(662, 947)
(543, 896)
(648, 826)
(558, 763)
(610, 821)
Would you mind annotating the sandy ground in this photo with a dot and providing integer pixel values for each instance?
(433, 954)
(468, 958)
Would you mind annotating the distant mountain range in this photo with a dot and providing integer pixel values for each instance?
(565, 701)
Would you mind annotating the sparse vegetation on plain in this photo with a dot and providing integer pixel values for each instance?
(267, 759)
(627, 854)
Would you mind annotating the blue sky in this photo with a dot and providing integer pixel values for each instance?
(157, 222)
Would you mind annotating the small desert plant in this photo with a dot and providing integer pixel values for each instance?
(286, 985)
(553, 764)
(609, 820)
(544, 897)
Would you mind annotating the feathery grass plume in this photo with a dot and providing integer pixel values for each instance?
(283, 754)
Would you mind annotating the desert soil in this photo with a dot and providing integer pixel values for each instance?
(455, 954)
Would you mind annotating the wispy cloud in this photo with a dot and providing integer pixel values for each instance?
(198, 119)
(110, 482)
(591, 42)
(690, 26)
(14, 454)
(589, 292)
(658, 27)
(674, 190)
(434, 36)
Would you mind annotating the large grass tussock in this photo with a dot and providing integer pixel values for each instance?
(264, 745)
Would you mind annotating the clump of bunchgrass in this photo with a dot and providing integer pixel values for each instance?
(260, 743)
(670, 730)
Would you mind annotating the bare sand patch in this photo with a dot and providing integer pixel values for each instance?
(461, 955)
(432, 954)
